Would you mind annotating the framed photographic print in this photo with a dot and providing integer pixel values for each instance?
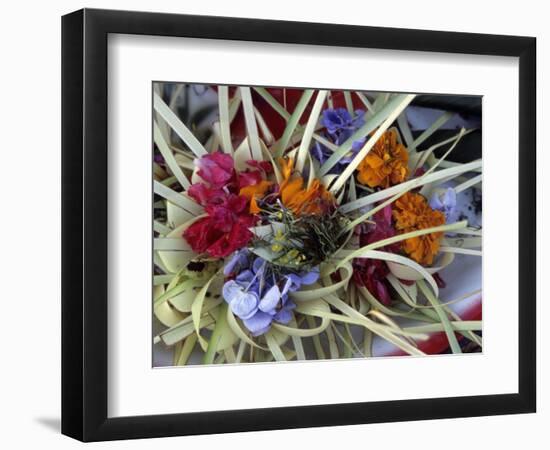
(274, 224)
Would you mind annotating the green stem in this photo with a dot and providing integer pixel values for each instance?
(221, 323)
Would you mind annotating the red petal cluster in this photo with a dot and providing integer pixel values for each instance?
(216, 169)
(264, 166)
(226, 228)
(249, 178)
(372, 273)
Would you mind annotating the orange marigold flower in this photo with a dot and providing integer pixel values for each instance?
(287, 164)
(386, 164)
(411, 213)
(253, 192)
(314, 199)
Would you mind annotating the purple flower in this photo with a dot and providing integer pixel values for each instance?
(258, 324)
(257, 296)
(237, 262)
(295, 281)
(356, 146)
(340, 125)
(445, 201)
(243, 304)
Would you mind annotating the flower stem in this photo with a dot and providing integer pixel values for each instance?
(221, 323)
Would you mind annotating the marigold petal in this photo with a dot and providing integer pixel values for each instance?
(411, 213)
(287, 164)
(254, 208)
(290, 189)
(255, 189)
(386, 164)
(373, 160)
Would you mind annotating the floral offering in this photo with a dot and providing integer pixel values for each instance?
(310, 224)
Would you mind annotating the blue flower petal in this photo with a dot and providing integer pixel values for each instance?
(244, 304)
(336, 119)
(258, 266)
(236, 263)
(359, 119)
(286, 288)
(449, 198)
(358, 145)
(319, 152)
(295, 282)
(435, 202)
(259, 323)
(270, 300)
(245, 277)
(257, 288)
(283, 316)
(230, 290)
(444, 201)
(310, 277)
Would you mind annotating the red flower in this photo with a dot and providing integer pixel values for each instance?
(249, 178)
(226, 213)
(226, 227)
(216, 169)
(220, 178)
(201, 235)
(236, 238)
(264, 166)
(372, 273)
(225, 230)
(205, 195)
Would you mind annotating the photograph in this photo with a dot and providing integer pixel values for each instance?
(235, 225)
(296, 224)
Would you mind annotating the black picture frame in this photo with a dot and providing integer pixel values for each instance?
(84, 224)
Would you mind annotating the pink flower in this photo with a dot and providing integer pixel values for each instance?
(216, 169)
(249, 178)
(226, 227)
(205, 195)
(219, 177)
